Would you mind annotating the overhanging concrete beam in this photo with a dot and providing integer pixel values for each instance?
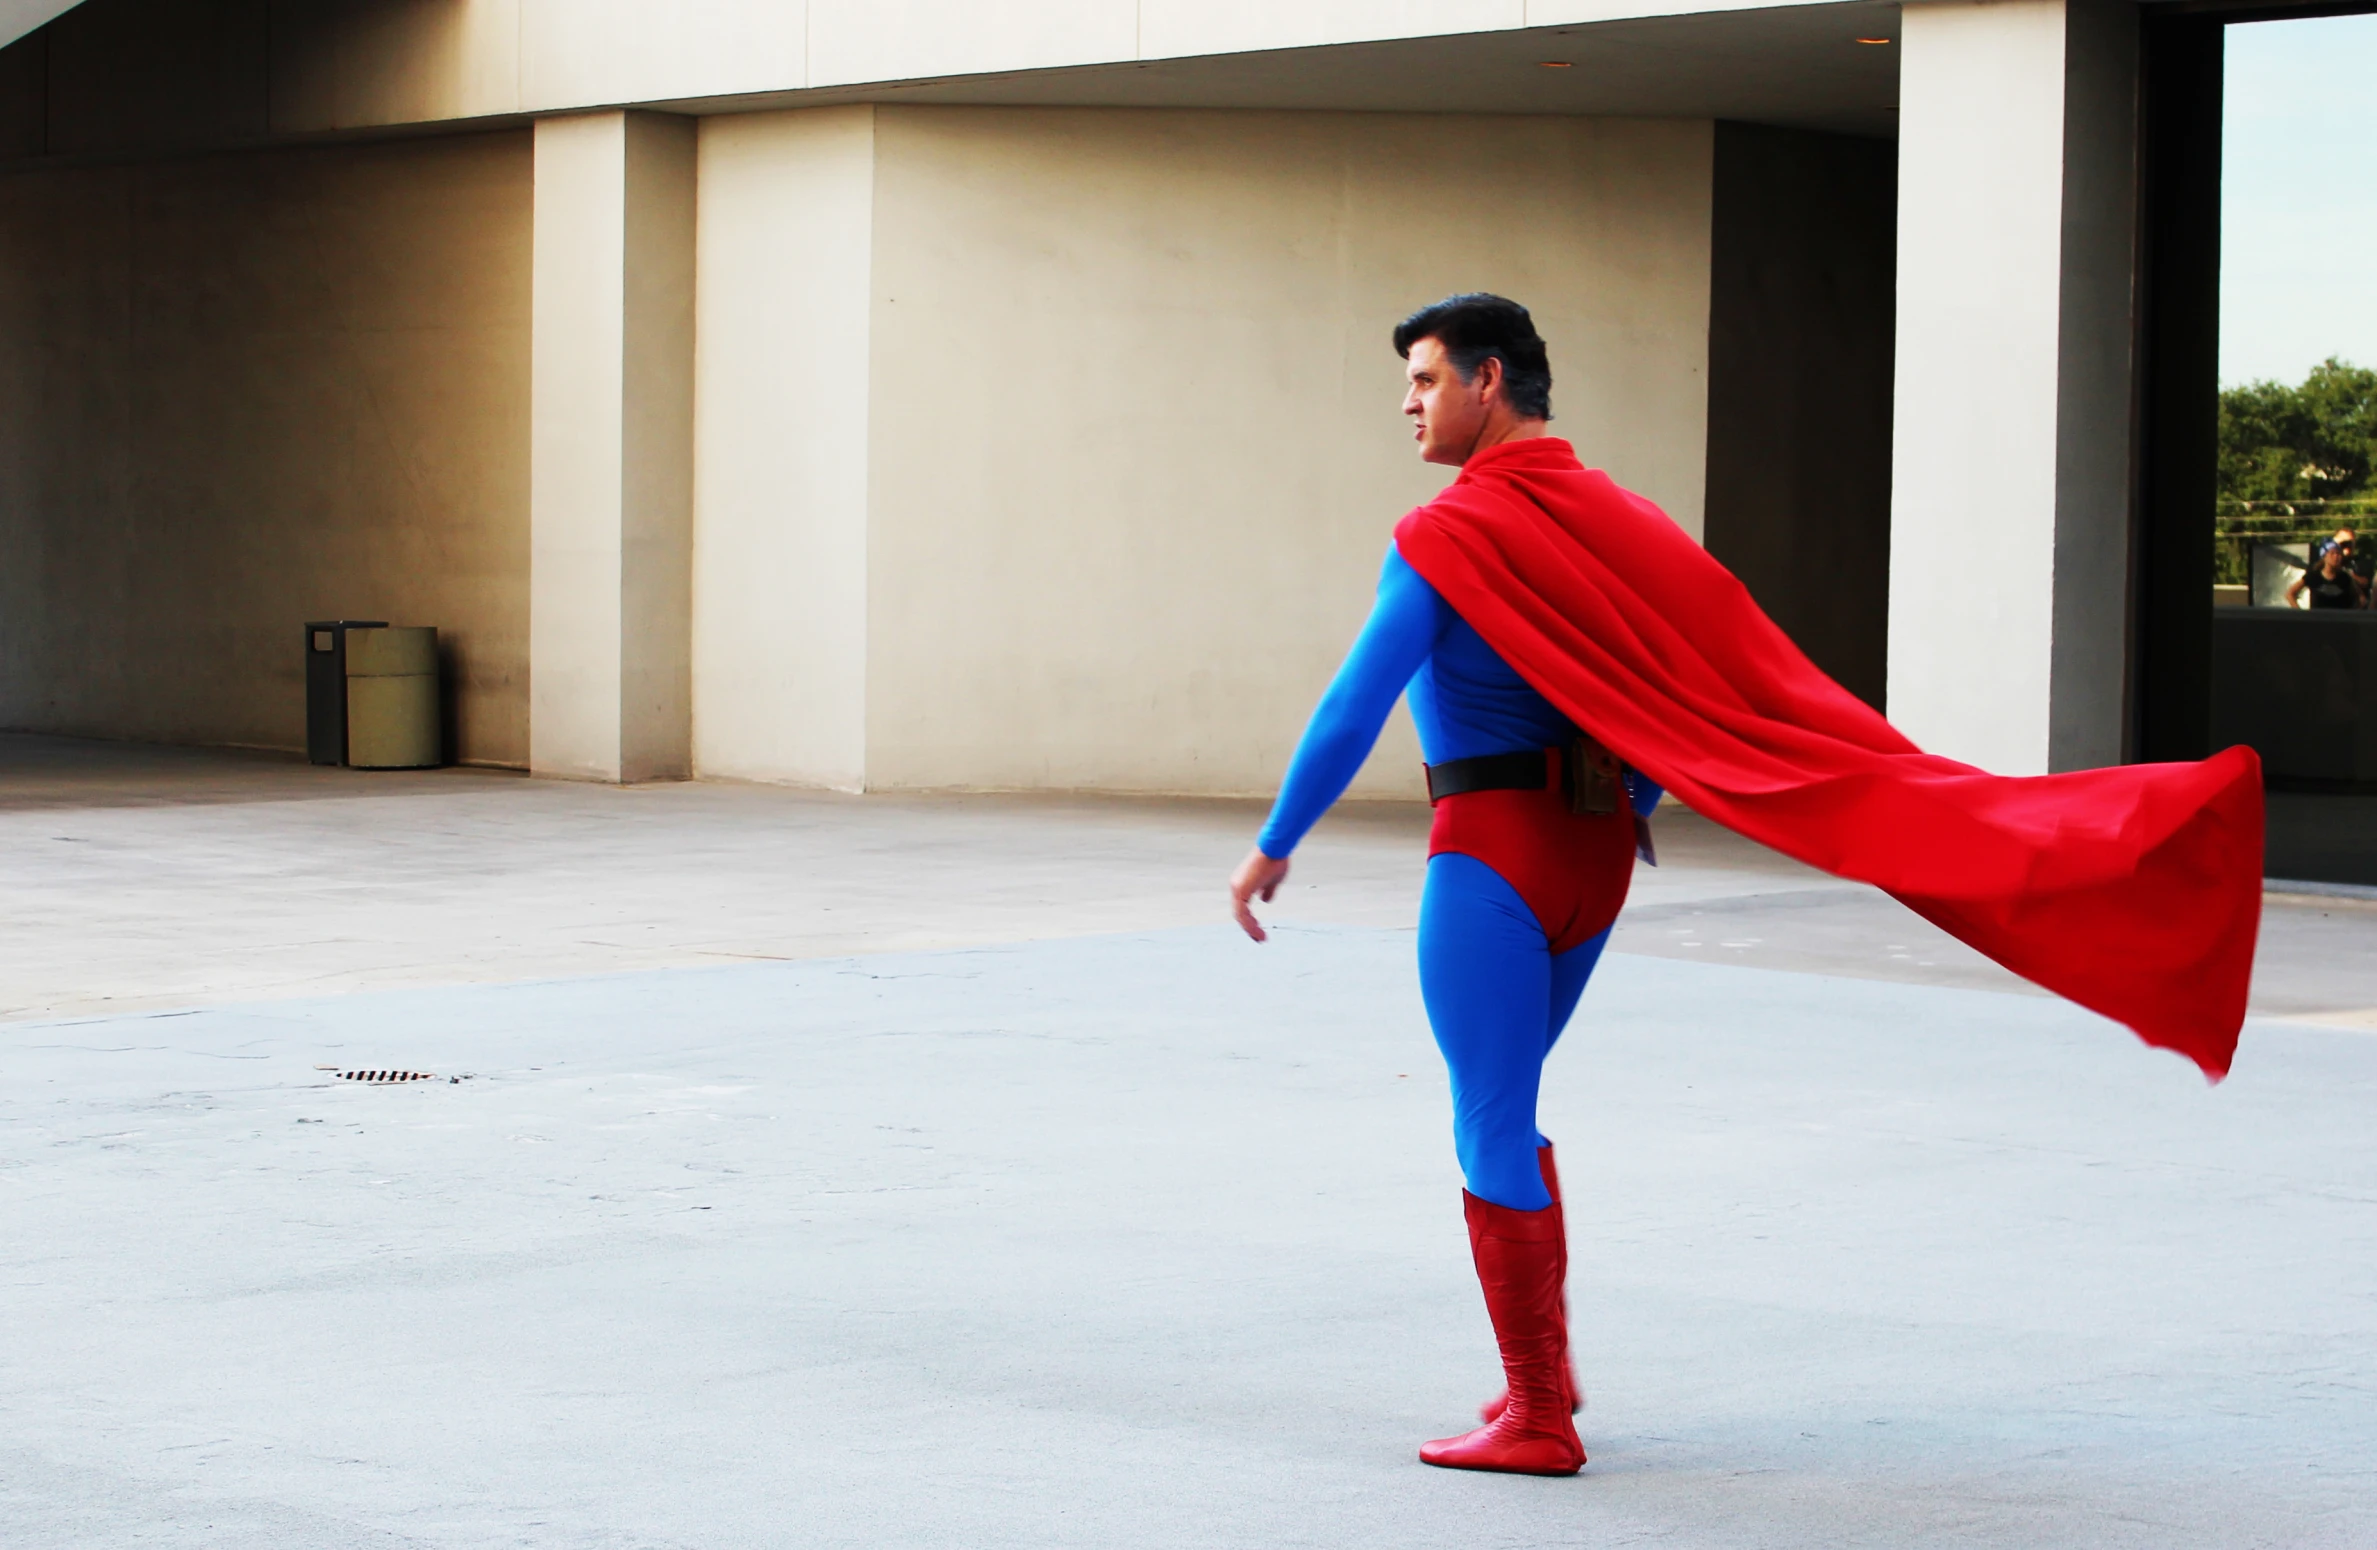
(131, 76)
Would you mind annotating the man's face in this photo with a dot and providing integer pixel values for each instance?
(1447, 414)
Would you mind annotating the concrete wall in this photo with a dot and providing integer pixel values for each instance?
(1033, 448)
(1801, 302)
(1131, 449)
(784, 359)
(242, 391)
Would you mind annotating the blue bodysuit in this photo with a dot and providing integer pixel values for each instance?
(1497, 996)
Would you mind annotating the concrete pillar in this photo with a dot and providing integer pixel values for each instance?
(2010, 506)
(611, 448)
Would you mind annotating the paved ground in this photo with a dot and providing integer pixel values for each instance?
(818, 1171)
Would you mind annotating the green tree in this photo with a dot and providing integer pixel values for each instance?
(2314, 442)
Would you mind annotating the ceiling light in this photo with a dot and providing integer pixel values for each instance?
(1873, 40)
(1556, 64)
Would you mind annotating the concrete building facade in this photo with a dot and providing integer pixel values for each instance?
(997, 395)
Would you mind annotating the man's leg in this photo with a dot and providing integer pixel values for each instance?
(1486, 974)
(1570, 971)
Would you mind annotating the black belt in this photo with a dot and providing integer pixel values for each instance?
(1530, 769)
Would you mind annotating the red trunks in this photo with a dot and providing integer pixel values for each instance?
(1572, 869)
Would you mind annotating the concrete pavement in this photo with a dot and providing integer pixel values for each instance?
(822, 1171)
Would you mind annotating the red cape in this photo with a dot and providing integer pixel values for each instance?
(2135, 891)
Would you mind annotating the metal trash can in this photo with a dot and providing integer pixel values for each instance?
(392, 719)
(372, 696)
(326, 686)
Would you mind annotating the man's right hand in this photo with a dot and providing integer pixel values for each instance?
(1257, 877)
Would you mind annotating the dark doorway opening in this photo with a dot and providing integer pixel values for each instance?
(2301, 689)
(1802, 315)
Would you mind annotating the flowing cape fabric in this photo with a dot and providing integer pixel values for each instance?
(2135, 890)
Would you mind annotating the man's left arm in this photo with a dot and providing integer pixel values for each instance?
(1403, 627)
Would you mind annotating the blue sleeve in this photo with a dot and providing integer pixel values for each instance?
(1642, 792)
(1403, 628)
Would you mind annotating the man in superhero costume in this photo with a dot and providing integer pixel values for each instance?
(1568, 652)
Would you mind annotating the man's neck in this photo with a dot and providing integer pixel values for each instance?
(1504, 428)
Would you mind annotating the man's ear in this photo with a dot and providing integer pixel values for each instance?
(1489, 379)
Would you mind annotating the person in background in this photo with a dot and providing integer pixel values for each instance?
(2358, 565)
(2330, 580)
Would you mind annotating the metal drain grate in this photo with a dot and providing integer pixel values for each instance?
(380, 1077)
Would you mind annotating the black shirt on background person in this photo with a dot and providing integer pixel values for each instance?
(2328, 582)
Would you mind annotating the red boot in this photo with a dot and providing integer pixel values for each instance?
(1576, 1391)
(1518, 1265)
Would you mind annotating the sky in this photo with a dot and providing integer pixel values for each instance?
(2298, 262)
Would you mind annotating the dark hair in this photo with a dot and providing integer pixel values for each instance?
(1474, 326)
